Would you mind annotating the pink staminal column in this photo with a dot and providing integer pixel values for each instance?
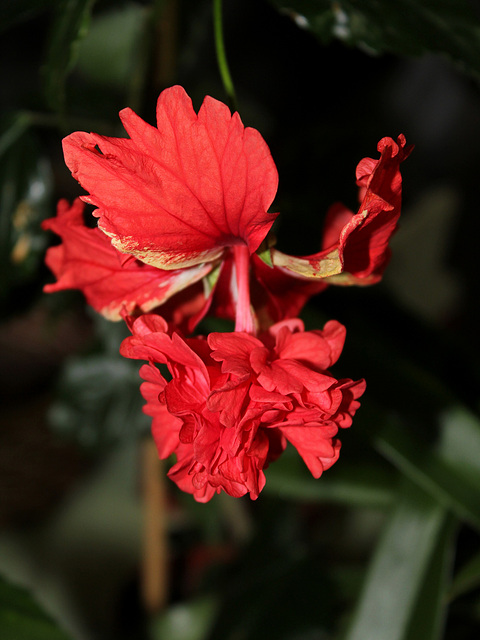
(244, 318)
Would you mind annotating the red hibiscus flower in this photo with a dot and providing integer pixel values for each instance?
(234, 401)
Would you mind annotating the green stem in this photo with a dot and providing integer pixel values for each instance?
(221, 55)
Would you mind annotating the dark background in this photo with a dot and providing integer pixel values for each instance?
(72, 431)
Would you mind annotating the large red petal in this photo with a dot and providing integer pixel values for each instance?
(177, 195)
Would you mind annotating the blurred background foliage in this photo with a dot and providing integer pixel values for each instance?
(386, 545)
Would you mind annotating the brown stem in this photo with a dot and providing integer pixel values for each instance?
(155, 540)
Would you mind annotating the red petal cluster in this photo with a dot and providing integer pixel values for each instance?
(235, 400)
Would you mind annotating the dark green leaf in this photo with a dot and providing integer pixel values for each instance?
(430, 611)
(69, 27)
(398, 568)
(467, 578)
(112, 62)
(452, 480)
(21, 618)
(405, 27)
(459, 442)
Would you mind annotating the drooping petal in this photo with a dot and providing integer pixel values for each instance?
(355, 246)
(177, 195)
(364, 240)
(112, 285)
